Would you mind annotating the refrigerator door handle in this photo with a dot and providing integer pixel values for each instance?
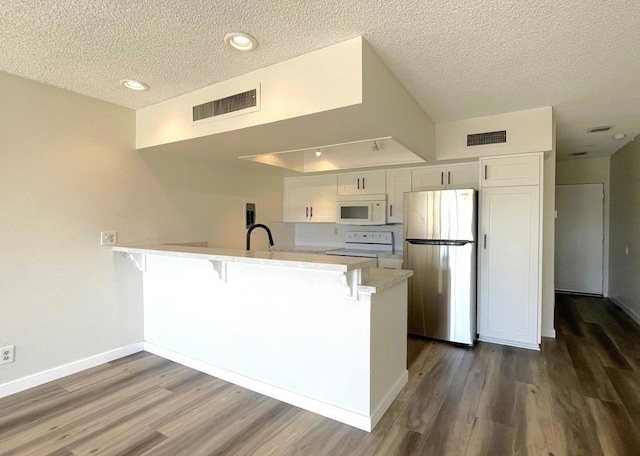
(438, 242)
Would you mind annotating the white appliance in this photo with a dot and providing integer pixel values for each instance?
(358, 211)
(367, 244)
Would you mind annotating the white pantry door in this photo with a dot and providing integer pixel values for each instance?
(579, 238)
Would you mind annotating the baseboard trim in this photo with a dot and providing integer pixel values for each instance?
(357, 420)
(56, 373)
(634, 316)
(510, 343)
(388, 399)
(579, 293)
(551, 333)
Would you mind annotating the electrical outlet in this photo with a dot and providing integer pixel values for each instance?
(7, 354)
(108, 237)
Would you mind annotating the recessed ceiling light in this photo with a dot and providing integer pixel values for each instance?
(619, 136)
(134, 85)
(241, 41)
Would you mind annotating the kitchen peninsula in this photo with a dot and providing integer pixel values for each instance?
(327, 334)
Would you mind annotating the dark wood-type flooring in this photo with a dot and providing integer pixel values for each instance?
(579, 396)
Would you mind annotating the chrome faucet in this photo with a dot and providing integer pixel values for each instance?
(253, 227)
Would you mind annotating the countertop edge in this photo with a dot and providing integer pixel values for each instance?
(380, 279)
(281, 259)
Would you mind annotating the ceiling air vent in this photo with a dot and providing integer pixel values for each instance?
(600, 129)
(234, 103)
(491, 137)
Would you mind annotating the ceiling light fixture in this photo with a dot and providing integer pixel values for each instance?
(134, 85)
(375, 147)
(241, 41)
(318, 153)
(619, 136)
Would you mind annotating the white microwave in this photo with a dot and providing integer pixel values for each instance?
(364, 212)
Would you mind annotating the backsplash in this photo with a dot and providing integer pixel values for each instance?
(325, 234)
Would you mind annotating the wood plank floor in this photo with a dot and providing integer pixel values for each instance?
(579, 396)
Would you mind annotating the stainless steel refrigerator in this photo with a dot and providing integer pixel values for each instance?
(440, 247)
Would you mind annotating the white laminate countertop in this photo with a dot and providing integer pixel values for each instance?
(284, 259)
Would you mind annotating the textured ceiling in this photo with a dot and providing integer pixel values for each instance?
(459, 59)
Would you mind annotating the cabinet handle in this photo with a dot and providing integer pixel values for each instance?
(363, 183)
(306, 211)
(390, 210)
(448, 177)
(311, 211)
(358, 183)
(485, 172)
(485, 242)
(441, 177)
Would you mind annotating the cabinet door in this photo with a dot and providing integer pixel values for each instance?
(373, 182)
(509, 306)
(463, 176)
(296, 199)
(510, 171)
(398, 182)
(428, 178)
(349, 184)
(324, 204)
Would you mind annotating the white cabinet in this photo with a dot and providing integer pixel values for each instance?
(463, 176)
(510, 246)
(367, 183)
(310, 199)
(398, 182)
(445, 177)
(509, 236)
(509, 171)
(429, 178)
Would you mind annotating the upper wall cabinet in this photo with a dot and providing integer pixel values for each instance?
(445, 177)
(398, 182)
(310, 199)
(366, 183)
(510, 171)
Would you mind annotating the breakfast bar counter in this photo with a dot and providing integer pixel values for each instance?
(327, 334)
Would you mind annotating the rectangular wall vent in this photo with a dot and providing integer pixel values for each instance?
(226, 105)
(491, 137)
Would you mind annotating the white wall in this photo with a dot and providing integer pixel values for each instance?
(69, 169)
(624, 269)
(590, 171)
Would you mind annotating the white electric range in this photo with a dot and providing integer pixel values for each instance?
(368, 244)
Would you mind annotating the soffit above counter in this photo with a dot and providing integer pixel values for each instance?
(332, 98)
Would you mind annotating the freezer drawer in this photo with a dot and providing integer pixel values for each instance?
(442, 291)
